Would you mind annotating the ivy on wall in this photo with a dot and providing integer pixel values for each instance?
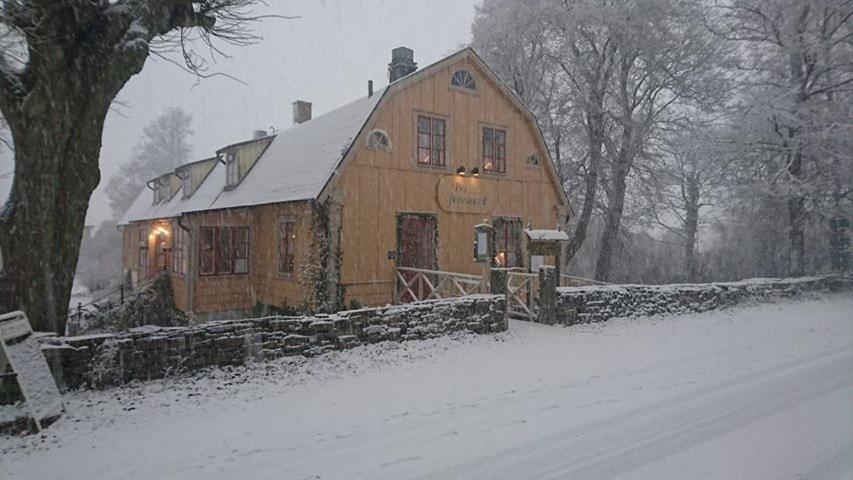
(321, 265)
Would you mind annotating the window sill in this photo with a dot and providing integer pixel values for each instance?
(431, 167)
(226, 274)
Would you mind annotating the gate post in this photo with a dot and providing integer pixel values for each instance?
(548, 282)
(497, 281)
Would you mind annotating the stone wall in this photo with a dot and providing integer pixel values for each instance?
(155, 352)
(600, 303)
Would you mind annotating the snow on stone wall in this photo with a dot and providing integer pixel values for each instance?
(155, 352)
(601, 303)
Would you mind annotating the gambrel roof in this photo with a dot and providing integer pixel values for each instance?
(302, 161)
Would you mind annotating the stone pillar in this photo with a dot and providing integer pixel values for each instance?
(497, 281)
(548, 282)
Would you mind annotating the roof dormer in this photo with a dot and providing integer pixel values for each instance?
(239, 158)
(191, 175)
(164, 187)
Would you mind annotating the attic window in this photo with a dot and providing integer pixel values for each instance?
(165, 188)
(463, 79)
(161, 190)
(185, 185)
(232, 173)
(533, 161)
(379, 139)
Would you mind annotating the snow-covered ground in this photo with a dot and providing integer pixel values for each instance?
(760, 392)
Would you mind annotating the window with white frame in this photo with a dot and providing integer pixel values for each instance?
(142, 256)
(165, 186)
(378, 139)
(179, 251)
(463, 79)
(186, 184)
(232, 170)
(158, 192)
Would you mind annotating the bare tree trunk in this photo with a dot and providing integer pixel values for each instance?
(797, 220)
(691, 227)
(81, 53)
(56, 158)
(615, 206)
(56, 121)
(595, 132)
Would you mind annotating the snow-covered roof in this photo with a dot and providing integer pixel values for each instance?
(204, 196)
(300, 160)
(544, 235)
(295, 166)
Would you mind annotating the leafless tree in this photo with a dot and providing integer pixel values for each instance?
(164, 146)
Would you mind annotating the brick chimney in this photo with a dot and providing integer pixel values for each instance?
(402, 63)
(301, 111)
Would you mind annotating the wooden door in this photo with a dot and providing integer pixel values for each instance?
(417, 249)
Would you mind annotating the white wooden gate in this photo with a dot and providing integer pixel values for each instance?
(522, 295)
(419, 284)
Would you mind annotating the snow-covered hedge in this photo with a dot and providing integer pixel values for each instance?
(154, 352)
(600, 303)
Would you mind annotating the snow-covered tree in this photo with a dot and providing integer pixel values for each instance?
(796, 71)
(62, 63)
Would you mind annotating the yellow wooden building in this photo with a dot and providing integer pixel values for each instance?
(323, 213)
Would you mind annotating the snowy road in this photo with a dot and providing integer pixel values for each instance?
(763, 392)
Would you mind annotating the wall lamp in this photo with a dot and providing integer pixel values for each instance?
(461, 171)
(475, 171)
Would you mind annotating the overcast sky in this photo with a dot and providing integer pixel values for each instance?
(326, 57)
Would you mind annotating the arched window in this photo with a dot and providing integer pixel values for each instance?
(379, 140)
(463, 79)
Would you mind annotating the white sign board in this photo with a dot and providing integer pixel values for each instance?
(21, 350)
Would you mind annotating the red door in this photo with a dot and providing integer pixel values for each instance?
(417, 250)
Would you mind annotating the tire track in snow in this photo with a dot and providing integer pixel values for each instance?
(627, 441)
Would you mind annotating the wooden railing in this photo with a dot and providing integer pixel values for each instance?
(522, 295)
(570, 281)
(417, 284)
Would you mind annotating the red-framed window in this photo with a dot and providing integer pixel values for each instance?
(142, 256)
(179, 251)
(494, 150)
(431, 141)
(286, 246)
(508, 233)
(223, 250)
